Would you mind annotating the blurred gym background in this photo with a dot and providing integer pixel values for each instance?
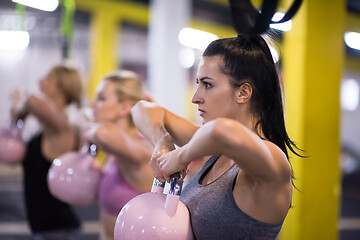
(162, 40)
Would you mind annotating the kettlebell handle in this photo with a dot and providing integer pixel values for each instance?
(173, 196)
(176, 183)
(90, 148)
(18, 123)
(158, 186)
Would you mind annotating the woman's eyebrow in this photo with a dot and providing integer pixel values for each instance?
(204, 78)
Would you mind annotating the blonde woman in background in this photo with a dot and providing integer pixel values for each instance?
(48, 217)
(128, 153)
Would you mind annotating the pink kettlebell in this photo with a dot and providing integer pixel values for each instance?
(12, 144)
(72, 179)
(155, 216)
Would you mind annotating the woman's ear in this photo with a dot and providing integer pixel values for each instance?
(244, 93)
(124, 108)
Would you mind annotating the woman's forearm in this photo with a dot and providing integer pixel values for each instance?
(155, 122)
(149, 120)
(113, 140)
(235, 141)
(203, 143)
(45, 110)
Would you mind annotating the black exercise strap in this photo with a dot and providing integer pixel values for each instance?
(249, 20)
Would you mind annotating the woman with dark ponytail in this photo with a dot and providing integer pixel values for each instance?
(244, 190)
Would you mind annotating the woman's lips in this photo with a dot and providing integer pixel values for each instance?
(202, 112)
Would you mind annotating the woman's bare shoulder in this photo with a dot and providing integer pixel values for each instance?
(280, 160)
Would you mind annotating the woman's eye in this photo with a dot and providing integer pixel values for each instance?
(207, 85)
(100, 98)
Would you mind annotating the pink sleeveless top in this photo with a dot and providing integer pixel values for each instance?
(114, 191)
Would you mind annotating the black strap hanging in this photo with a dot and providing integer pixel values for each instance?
(67, 27)
(249, 20)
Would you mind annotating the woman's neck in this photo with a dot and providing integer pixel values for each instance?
(59, 101)
(256, 128)
(250, 121)
(123, 123)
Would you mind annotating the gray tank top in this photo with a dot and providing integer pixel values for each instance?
(214, 212)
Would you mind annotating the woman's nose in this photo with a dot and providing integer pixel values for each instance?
(93, 104)
(196, 99)
(41, 83)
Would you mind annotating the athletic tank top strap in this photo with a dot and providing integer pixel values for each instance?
(207, 166)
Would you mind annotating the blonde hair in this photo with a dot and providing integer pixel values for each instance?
(128, 87)
(69, 81)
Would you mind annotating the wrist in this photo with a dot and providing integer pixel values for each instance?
(161, 136)
(184, 155)
(90, 132)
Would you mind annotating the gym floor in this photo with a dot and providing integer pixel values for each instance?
(13, 225)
